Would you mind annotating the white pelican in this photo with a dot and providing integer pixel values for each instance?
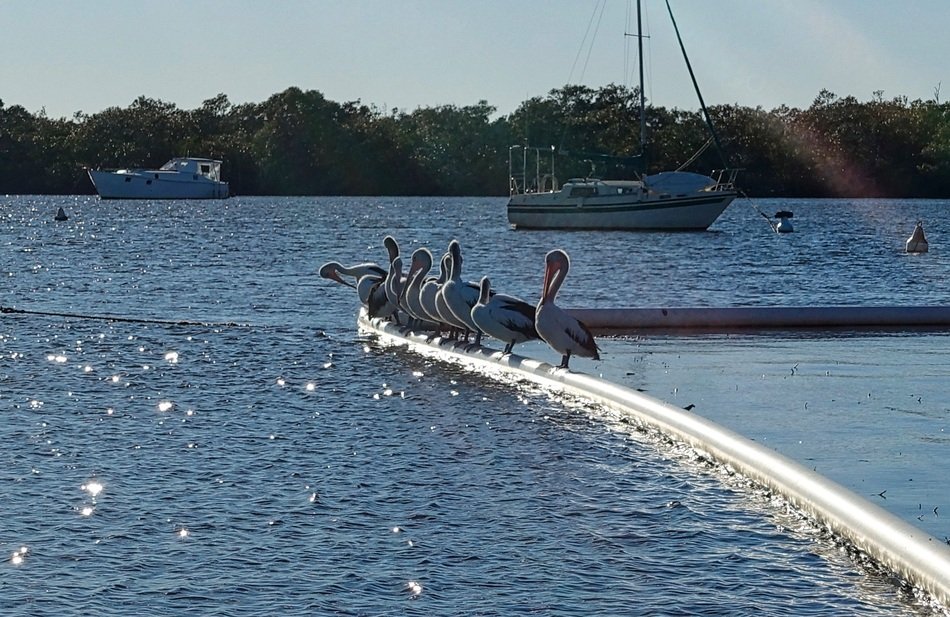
(335, 271)
(394, 284)
(506, 318)
(419, 267)
(430, 289)
(384, 294)
(564, 333)
(365, 286)
(377, 302)
(460, 296)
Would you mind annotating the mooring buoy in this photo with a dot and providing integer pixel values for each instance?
(61, 215)
(784, 225)
(917, 242)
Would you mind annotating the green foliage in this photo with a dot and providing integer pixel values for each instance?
(299, 143)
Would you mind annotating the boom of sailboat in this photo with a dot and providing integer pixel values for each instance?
(464, 311)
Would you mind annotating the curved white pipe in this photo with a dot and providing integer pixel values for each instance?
(898, 546)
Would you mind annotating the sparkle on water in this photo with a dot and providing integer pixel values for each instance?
(297, 467)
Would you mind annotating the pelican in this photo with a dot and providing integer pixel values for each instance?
(335, 271)
(429, 291)
(366, 285)
(394, 284)
(564, 333)
(384, 294)
(506, 318)
(368, 276)
(419, 267)
(460, 296)
(377, 301)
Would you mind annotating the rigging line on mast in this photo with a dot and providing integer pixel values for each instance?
(587, 34)
(602, 5)
(695, 156)
(699, 94)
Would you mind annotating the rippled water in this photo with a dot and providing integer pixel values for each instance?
(262, 457)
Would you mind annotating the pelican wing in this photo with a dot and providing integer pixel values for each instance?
(583, 336)
(514, 314)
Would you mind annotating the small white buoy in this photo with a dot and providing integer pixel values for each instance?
(784, 225)
(61, 215)
(917, 242)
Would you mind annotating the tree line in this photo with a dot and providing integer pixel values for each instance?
(298, 142)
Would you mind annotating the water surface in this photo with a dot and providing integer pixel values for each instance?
(262, 457)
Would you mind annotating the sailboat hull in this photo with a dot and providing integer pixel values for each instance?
(634, 212)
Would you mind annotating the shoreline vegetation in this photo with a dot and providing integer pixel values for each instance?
(299, 143)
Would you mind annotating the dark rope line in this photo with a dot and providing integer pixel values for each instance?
(165, 322)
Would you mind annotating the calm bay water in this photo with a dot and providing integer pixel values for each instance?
(263, 457)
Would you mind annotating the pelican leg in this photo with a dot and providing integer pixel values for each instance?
(436, 334)
(564, 360)
(508, 348)
(476, 344)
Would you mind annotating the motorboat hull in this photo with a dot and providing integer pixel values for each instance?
(179, 178)
(155, 185)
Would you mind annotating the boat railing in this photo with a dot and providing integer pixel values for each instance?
(725, 179)
(531, 172)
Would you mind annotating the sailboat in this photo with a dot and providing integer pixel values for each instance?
(669, 200)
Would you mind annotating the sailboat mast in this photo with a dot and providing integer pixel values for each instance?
(643, 116)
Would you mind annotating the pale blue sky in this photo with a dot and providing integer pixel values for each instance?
(67, 56)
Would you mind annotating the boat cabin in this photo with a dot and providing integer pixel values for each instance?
(593, 187)
(209, 168)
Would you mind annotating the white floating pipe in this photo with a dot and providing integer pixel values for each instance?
(621, 320)
(911, 553)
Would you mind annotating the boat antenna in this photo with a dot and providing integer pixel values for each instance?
(702, 104)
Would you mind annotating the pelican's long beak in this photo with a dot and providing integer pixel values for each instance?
(339, 279)
(548, 279)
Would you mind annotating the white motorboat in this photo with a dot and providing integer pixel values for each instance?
(179, 178)
(670, 200)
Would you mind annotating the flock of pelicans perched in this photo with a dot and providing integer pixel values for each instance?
(448, 306)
